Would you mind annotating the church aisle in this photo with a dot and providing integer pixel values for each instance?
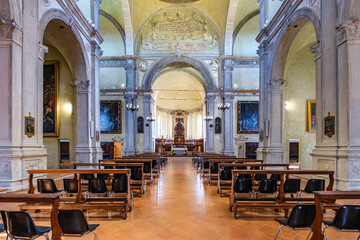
(179, 205)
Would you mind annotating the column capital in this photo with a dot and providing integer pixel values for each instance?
(41, 51)
(348, 31)
(276, 84)
(96, 49)
(210, 97)
(316, 48)
(263, 48)
(82, 86)
(228, 65)
(147, 97)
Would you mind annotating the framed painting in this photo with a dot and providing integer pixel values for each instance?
(140, 125)
(110, 116)
(217, 125)
(329, 125)
(51, 113)
(248, 117)
(311, 107)
(29, 126)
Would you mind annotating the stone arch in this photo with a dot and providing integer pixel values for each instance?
(77, 49)
(116, 23)
(243, 22)
(230, 23)
(287, 35)
(10, 11)
(161, 64)
(217, 30)
(129, 32)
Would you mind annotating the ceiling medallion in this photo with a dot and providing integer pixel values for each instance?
(179, 1)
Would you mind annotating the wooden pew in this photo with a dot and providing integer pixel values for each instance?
(148, 176)
(280, 202)
(139, 185)
(325, 196)
(51, 199)
(82, 202)
(226, 184)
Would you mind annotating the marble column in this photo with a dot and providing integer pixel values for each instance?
(83, 151)
(95, 101)
(210, 125)
(275, 95)
(263, 53)
(148, 124)
(228, 125)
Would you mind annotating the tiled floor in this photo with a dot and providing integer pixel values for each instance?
(180, 206)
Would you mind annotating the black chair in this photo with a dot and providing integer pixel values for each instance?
(73, 223)
(70, 186)
(275, 177)
(300, 218)
(103, 175)
(136, 173)
(87, 177)
(97, 186)
(47, 185)
(21, 226)
(347, 219)
(243, 185)
(314, 185)
(267, 186)
(292, 186)
(258, 177)
(120, 185)
(226, 174)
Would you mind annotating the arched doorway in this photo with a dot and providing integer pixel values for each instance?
(294, 76)
(66, 93)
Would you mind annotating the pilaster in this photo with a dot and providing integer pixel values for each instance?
(148, 125)
(130, 125)
(210, 138)
(228, 125)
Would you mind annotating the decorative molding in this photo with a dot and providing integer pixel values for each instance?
(228, 65)
(240, 139)
(113, 63)
(214, 65)
(11, 31)
(246, 63)
(82, 85)
(130, 65)
(143, 65)
(348, 31)
(316, 48)
(41, 51)
(263, 49)
(275, 84)
(96, 49)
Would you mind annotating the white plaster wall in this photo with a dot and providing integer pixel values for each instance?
(299, 87)
(85, 7)
(246, 77)
(112, 77)
(245, 44)
(67, 119)
(113, 44)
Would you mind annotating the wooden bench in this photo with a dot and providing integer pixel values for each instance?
(137, 185)
(147, 175)
(235, 203)
(52, 200)
(321, 200)
(80, 197)
(226, 184)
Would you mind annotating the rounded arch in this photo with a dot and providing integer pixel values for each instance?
(243, 22)
(10, 10)
(73, 37)
(116, 23)
(220, 39)
(230, 24)
(161, 64)
(286, 36)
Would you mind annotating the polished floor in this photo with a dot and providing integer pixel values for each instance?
(181, 206)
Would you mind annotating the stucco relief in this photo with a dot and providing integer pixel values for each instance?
(348, 31)
(354, 170)
(31, 164)
(325, 164)
(143, 65)
(275, 158)
(5, 169)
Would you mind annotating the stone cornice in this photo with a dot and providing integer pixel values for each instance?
(88, 31)
(279, 20)
(348, 31)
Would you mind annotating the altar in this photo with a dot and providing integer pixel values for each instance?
(179, 151)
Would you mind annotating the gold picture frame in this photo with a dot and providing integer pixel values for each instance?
(329, 125)
(29, 126)
(51, 106)
(311, 117)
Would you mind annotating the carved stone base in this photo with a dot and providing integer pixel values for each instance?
(84, 155)
(14, 164)
(129, 152)
(229, 152)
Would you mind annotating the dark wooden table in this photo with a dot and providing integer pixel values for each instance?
(320, 197)
(39, 198)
